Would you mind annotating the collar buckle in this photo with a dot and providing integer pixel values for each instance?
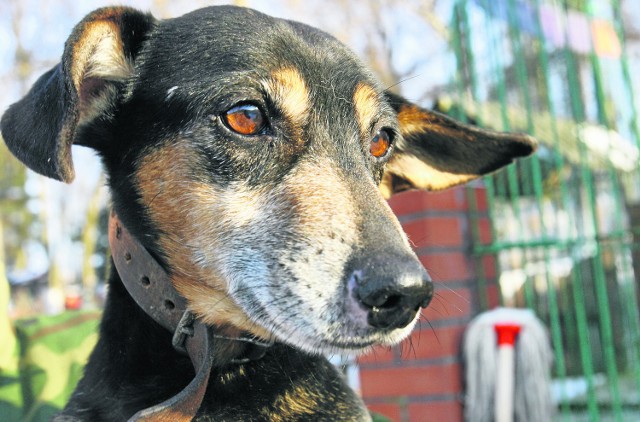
(183, 330)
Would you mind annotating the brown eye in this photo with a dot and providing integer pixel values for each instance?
(245, 119)
(380, 143)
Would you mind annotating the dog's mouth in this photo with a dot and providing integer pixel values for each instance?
(346, 343)
(365, 343)
(336, 330)
(347, 347)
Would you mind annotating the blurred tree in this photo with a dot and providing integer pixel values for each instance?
(16, 219)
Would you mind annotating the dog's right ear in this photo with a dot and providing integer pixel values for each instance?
(97, 60)
(436, 152)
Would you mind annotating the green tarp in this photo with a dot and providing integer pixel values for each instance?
(42, 362)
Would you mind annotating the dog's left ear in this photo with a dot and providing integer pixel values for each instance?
(436, 152)
(97, 60)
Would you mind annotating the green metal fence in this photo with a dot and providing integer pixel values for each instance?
(565, 224)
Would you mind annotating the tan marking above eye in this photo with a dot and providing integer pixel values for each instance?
(367, 106)
(290, 93)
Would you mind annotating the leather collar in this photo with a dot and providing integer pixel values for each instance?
(151, 288)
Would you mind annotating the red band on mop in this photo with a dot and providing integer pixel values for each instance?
(507, 333)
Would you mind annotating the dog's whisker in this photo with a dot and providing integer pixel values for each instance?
(442, 312)
(456, 293)
(412, 348)
(403, 81)
(433, 330)
(445, 305)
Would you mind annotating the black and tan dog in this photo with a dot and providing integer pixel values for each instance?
(251, 157)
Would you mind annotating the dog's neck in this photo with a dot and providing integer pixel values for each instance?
(151, 288)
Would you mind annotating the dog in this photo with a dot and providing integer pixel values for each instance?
(249, 159)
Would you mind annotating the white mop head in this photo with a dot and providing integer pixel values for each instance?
(533, 359)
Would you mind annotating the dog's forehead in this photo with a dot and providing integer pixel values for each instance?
(231, 35)
(213, 43)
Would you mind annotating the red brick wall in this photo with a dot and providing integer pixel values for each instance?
(421, 379)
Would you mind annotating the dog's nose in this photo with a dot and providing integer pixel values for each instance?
(391, 290)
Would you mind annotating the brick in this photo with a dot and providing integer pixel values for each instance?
(493, 295)
(410, 381)
(447, 266)
(481, 198)
(390, 410)
(484, 230)
(430, 343)
(435, 232)
(416, 201)
(490, 267)
(436, 411)
(447, 304)
(377, 355)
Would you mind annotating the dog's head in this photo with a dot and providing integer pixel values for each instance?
(253, 156)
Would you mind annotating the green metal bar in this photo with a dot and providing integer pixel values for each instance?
(624, 62)
(554, 315)
(478, 264)
(457, 48)
(598, 269)
(470, 192)
(601, 285)
(618, 212)
(512, 177)
(631, 293)
(576, 277)
(572, 334)
(457, 23)
(490, 183)
(461, 13)
(575, 327)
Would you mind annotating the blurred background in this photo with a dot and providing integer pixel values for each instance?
(557, 233)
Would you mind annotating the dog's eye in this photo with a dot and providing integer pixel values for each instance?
(246, 119)
(380, 143)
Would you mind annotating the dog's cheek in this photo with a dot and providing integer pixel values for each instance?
(172, 200)
(186, 214)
